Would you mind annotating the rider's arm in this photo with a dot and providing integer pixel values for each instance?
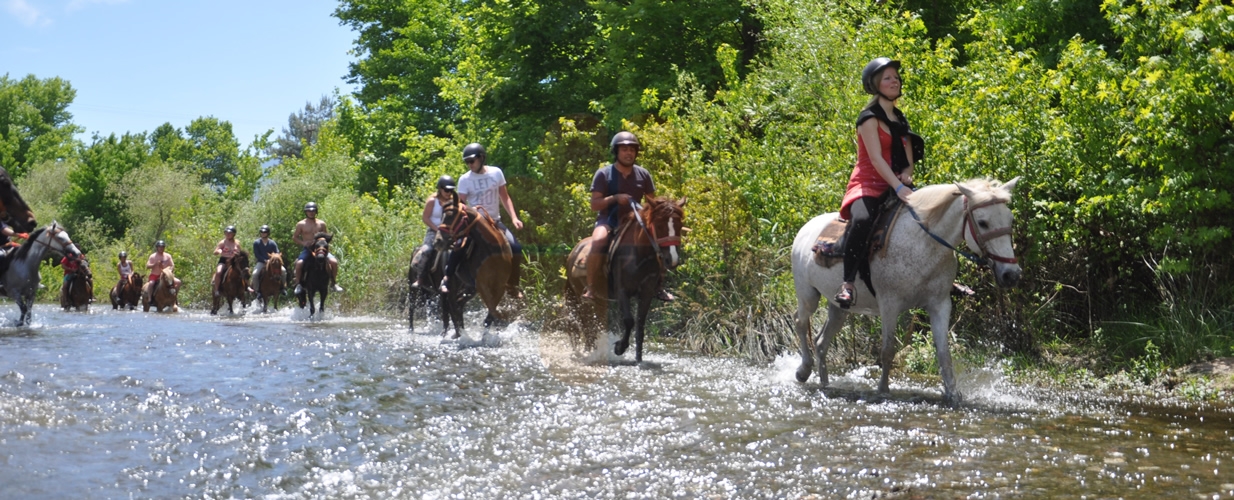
(218, 249)
(427, 216)
(298, 235)
(503, 194)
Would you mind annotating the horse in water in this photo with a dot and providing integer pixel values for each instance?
(160, 293)
(272, 282)
(13, 209)
(78, 292)
(316, 274)
(915, 269)
(231, 283)
(485, 264)
(645, 245)
(21, 278)
(127, 293)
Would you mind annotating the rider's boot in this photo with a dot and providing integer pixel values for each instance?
(595, 270)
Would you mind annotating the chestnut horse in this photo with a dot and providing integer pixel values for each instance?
(644, 247)
(273, 281)
(231, 283)
(78, 292)
(13, 209)
(485, 265)
(127, 293)
(160, 294)
(316, 277)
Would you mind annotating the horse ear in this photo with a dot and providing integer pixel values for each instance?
(968, 193)
(1009, 186)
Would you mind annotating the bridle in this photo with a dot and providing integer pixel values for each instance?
(983, 238)
(661, 242)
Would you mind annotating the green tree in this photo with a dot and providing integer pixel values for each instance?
(35, 124)
(93, 194)
(302, 128)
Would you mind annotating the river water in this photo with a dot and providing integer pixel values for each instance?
(133, 405)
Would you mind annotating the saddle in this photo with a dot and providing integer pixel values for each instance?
(832, 240)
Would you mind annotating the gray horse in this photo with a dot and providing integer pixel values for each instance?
(21, 279)
(916, 271)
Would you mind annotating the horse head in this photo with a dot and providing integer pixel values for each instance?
(987, 227)
(321, 245)
(274, 264)
(13, 209)
(664, 217)
(240, 260)
(59, 241)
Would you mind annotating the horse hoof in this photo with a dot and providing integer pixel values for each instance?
(803, 374)
(620, 348)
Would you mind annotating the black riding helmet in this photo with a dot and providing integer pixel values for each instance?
(446, 182)
(229, 230)
(474, 150)
(623, 138)
(263, 229)
(872, 70)
(312, 205)
(124, 255)
(160, 244)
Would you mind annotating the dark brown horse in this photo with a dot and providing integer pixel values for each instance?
(160, 293)
(127, 293)
(232, 282)
(645, 245)
(273, 281)
(13, 209)
(484, 266)
(316, 274)
(78, 292)
(420, 297)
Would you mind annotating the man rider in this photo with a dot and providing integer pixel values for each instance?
(263, 246)
(303, 236)
(612, 200)
(158, 261)
(7, 245)
(485, 186)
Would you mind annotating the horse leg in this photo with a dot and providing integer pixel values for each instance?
(890, 318)
(627, 323)
(807, 303)
(940, 317)
(835, 321)
(644, 307)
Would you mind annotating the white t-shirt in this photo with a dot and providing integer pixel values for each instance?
(481, 189)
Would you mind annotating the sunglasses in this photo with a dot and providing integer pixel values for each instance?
(470, 161)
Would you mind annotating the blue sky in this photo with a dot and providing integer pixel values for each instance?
(137, 64)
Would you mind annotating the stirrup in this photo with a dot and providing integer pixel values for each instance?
(845, 298)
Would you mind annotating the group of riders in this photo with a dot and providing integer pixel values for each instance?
(887, 151)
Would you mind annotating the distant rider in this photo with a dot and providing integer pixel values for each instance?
(158, 261)
(263, 246)
(303, 236)
(427, 256)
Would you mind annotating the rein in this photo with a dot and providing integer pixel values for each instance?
(980, 238)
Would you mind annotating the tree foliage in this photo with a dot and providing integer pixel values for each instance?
(35, 124)
(302, 128)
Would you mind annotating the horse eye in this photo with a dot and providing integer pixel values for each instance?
(983, 224)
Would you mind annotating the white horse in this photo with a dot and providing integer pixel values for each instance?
(916, 271)
(21, 280)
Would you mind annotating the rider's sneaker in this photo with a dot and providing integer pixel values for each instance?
(250, 289)
(960, 291)
(337, 289)
(845, 298)
(445, 286)
(665, 296)
(299, 289)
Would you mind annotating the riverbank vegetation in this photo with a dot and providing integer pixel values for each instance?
(1118, 116)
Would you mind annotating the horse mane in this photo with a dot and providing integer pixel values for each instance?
(932, 202)
(25, 247)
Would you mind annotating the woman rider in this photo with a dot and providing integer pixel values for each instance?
(124, 268)
(226, 249)
(884, 162)
(426, 258)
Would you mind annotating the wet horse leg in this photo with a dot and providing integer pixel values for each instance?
(889, 319)
(807, 303)
(644, 307)
(940, 317)
(627, 322)
(835, 321)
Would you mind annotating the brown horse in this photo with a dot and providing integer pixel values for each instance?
(419, 297)
(13, 209)
(232, 282)
(272, 282)
(485, 262)
(78, 292)
(160, 294)
(127, 293)
(316, 274)
(645, 245)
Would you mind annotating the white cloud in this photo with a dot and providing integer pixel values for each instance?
(75, 5)
(25, 13)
